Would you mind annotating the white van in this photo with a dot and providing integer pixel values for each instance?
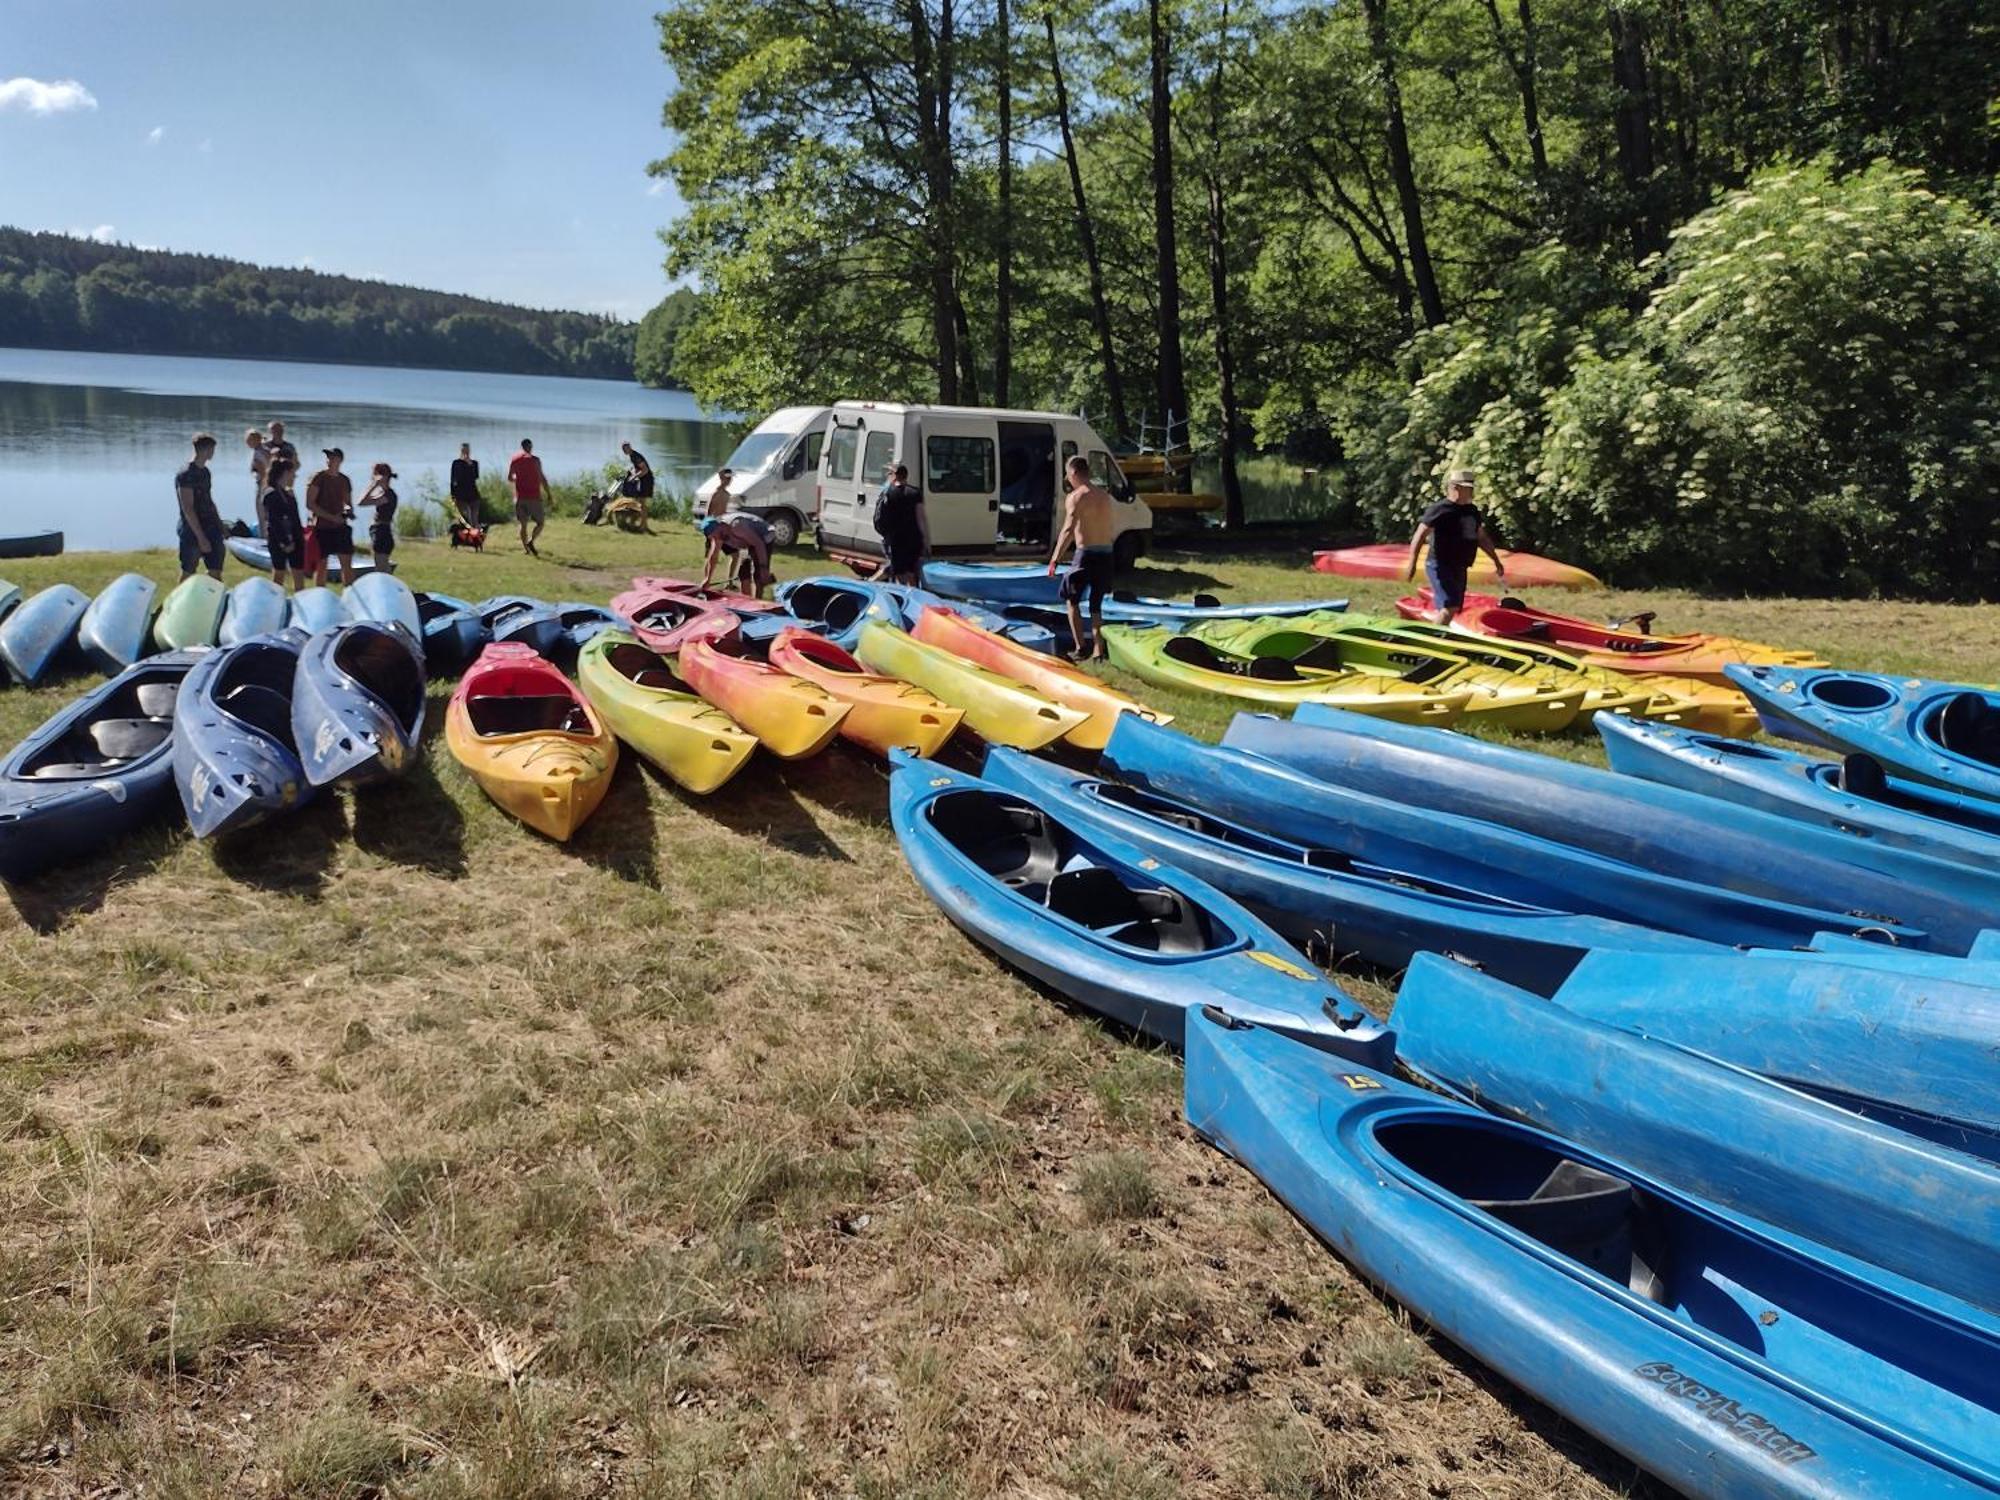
(991, 478)
(777, 470)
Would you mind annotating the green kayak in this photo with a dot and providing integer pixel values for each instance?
(1188, 662)
(192, 614)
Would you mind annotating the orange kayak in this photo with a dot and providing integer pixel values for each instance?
(1055, 679)
(1636, 629)
(1392, 560)
(883, 713)
(790, 716)
(1619, 650)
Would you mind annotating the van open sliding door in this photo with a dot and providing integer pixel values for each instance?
(1027, 482)
(958, 458)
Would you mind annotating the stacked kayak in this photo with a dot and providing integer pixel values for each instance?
(995, 583)
(1187, 662)
(791, 717)
(1100, 922)
(1053, 679)
(316, 609)
(192, 614)
(534, 745)
(1683, 834)
(256, 606)
(236, 758)
(520, 620)
(1705, 660)
(358, 703)
(1726, 1355)
(636, 692)
(1945, 734)
(93, 773)
(1392, 560)
(998, 709)
(883, 713)
(664, 620)
(116, 630)
(1030, 629)
(453, 631)
(1732, 647)
(34, 636)
(1855, 793)
(385, 598)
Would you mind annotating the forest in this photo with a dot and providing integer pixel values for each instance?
(59, 291)
(1707, 292)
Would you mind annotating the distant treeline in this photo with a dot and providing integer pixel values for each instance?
(58, 291)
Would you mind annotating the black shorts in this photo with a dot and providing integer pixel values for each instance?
(334, 541)
(288, 554)
(1091, 576)
(381, 540)
(906, 554)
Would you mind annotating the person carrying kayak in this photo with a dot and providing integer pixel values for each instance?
(1457, 534)
(744, 533)
(1087, 522)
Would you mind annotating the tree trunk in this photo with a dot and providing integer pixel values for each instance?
(1401, 171)
(1100, 308)
(1522, 65)
(931, 66)
(1633, 121)
(1218, 290)
(1003, 248)
(1171, 384)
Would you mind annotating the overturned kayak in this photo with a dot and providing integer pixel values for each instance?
(515, 617)
(453, 632)
(236, 760)
(31, 544)
(1102, 923)
(534, 745)
(1728, 1357)
(93, 773)
(883, 713)
(192, 614)
(316, 609)
(117, 629)
(791, 717)
(647, 706)
(385, 598)
(998, 709)
(254, 552)
(358, 703)
(34, 637)
(256, 606)
(1161, 657)
(1392, 560)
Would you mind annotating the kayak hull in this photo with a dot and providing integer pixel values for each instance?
(385, 598)
(116, 630)
(791, 717)
(1161, 657)
(635, 692)
(34, 637)
(256, 606)
(1392, 560)
(235, 760)
(997, 709)
(191, 614)
(530, 740)
(31, 544)
(316, 609)
(883, 713)
(1053, 679)
(453, 633)
(255, 553)
(358, 703)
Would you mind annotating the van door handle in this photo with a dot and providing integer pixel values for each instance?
(992, 504)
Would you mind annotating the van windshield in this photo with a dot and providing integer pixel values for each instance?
(756, 451)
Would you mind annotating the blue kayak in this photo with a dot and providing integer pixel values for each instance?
(837, 608)
(1900, 1046)
(582, 623)
(1944, 733)
(1106, 924)
(98, 769)
(316, 609)
(1030, 586)
(454, 635)
(1727, 1357)
(358, 703)
(117, 629)
(1258, 793)
(1324, 898)
(911, 603)
(1668, 830)
(34, 636)
(10, 598)
(256, 606)
(535, 623)
(1986, 947)
(31, 544)
(385, 598)
(1734, 1137)
(1851, 948)
(235, 759)
(1855, 796)
(995, 583)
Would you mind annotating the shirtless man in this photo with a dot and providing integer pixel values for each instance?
(1087, 523)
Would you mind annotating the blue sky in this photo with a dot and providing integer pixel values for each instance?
(496, 147)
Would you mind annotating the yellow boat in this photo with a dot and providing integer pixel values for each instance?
(1711, 707)
(792, 718)
(997, 709)
(694, 743)
(883, 714)
(530, 740)
(950, 631)
(1605, 692)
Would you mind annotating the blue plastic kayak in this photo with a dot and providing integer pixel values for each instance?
(95, 771)
(1031, 586)
(1943, 733)
(34, 636)
(1855, 796)
(316, 609)
(1254, 792)
(911, 603)
(1733, 1136)
(1893, 1045)
(837, 608)
(581, 623)
(255, 553)
(358, 703)
(1667, 830)
(535, 623)
(1986, 947)
(1850, 948)
(235, 760)
(256, 606)
(1105, 923)
(1729, 1358)
(1322, 898)
(10, 598)
(31, 544)
(386, 598)
(117, 629)
(454, 635)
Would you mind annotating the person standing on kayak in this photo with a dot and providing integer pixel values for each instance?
(283, 532)
(1457, 534)
(465, 485)
(531, 494)
(330, 502)
(200, 530)
(1087, 522)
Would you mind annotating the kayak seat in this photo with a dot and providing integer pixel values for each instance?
(1009, 840)
(1155, 919)
(120, 740)
(1273, 669)
(1969, 726)
(1322, 656)
(1207, 601)
(539, 713)
(1195, 652)
(155, 700)
(264, 709)
(842, 610)
(1863, 776)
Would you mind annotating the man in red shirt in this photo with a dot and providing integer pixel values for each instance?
(531, 494)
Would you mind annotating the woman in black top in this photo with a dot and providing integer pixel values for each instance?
(283, 531)
(465, 485)
(381, 530)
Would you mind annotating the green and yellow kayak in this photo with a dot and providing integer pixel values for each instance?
(638, 696)
(1158, 655)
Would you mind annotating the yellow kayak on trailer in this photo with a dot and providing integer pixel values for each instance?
(950, 631)
(883, 714)
(694, 743)
(997, 709)
(530, 740)
(1158, 655)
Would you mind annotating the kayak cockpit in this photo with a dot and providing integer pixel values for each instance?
(1193, 652)
(254, 687)
(1967, 725)
(386, 669)
(642, 668)
(497, 714)
(129, 725)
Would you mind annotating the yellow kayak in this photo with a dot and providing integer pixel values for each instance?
(1711, 707)
(997, 709)
(883, 714)
(697, 745)
(530, 740)
(950, 631)
(1158, 655)
(792, 718)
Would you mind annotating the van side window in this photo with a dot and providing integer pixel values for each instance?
(877, 456)
(813, 442)
(1100, 469)
(840, 457)
(959, 465)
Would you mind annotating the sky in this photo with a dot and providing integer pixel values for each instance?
(493, 147)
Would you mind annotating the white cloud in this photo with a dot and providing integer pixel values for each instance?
(103, 234)
(155, 135)
(40, 98)
(657, 186)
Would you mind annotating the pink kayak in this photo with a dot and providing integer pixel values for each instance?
(1392, 560)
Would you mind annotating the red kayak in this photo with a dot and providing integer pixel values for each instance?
(1392, 560)
(1621, 635)
(743, 604)
(664, 620)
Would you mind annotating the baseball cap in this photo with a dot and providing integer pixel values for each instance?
(333, 453)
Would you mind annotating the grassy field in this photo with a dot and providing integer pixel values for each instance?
(390, 1150)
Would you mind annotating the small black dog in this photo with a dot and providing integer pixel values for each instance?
(468, 536)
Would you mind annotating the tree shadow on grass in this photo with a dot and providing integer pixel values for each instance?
(290, 853)
(620, 836)
(51, 898)
(413, 820)
(762, 801)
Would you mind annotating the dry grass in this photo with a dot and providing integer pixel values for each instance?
(391, 1150)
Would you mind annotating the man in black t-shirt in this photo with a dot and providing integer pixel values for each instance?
(638, 480)
(1457, 534)
(200, 529)
(904, 528)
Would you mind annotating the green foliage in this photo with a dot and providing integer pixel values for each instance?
(659, 332)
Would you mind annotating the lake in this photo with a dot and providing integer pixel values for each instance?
(90, 442)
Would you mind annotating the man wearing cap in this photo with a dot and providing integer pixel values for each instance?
(741, 532)
(330, 504)
(1457, 534)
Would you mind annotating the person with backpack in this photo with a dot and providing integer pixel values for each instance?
(904, 528)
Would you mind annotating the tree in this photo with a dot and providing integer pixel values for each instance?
(1170, 381)
(659, 332)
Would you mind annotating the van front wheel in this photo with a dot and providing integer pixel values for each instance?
(785, 527)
